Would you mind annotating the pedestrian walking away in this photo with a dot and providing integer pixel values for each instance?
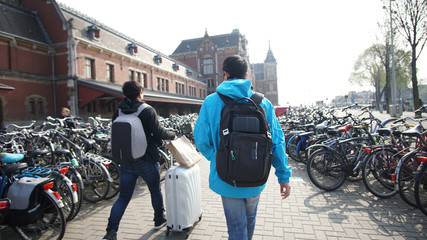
(231, 177)
(132, 165)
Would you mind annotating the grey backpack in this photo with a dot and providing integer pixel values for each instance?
(128, 140)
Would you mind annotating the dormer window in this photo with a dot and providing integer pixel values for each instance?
(132, 48)
(188, 48)
(93, 31)
(158, 59)
(189, 72)
(175, 67)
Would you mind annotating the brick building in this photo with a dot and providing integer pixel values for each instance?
(52, 56)
(207, 54)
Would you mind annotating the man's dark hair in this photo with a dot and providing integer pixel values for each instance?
(132, 89)
(235, 66)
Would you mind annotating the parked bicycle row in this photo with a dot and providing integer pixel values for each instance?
(389, 156)
(49, 168)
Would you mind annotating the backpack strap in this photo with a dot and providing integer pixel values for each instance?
(224, 98)
(257, 97)
(138, 111)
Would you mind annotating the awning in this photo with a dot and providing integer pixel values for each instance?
(6, 87)
(91, 90)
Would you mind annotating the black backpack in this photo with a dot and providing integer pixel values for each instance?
(244, 155)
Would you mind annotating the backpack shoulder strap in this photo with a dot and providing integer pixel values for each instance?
(140, 108)
(257, 97)
(225, 99)
(138, 111)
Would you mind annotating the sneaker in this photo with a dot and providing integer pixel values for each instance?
(159, 223)
(111, 235)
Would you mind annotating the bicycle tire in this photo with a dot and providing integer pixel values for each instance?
(292, 148)
(354, 157)
(95, 180)
(51, 224)
(421, 189)
(66, 194)
(114, 171)
(77, 181)
(326, 170)
(405, 178)
(377, 170)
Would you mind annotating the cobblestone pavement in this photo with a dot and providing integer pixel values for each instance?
(350, 212)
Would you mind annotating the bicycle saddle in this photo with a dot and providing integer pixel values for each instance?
(386, 131)
(415, 131)
(12, 168)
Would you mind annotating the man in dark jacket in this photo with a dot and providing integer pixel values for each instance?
(147, 166)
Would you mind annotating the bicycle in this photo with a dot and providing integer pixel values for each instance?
(421, 184)
(41, 216)
(329, 166)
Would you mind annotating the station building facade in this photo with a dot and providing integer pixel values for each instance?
(52, 56)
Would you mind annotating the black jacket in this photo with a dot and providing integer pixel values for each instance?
(153, 130)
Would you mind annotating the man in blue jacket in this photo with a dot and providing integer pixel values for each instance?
(239, 203)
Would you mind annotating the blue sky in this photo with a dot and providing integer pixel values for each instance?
(315, 42)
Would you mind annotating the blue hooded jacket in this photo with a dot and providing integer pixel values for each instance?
(206, 135)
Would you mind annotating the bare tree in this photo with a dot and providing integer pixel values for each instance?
(410, 16)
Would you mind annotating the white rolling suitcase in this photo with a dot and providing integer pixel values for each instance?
(183, 198)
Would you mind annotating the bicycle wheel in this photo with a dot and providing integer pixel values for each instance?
(114, 171)
(50, 225)
(165, 164)
(66, 192)
(77, 182)
(354, 156)
(95, 180)
(421, 189)
(292, 149)
(405, 173)
(377, 171)
(326, 170)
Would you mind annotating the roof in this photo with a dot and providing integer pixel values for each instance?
(270, 57)
(115, 90)
(5, 87)
(22, 23)
(221, 41)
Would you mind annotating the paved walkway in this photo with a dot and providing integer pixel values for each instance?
(350, 212)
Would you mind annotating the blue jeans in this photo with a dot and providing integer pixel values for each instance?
(240, 214)
(129, 172)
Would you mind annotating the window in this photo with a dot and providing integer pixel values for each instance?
(90, 68)
(110, 73)
(211, 82)
(131, 75)
(206, 45)
(35, 105)
(208, 66)
(192, 91)
(163, 84)
(179, 87)
(32, 106)
(91, 107)
(144, 80)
